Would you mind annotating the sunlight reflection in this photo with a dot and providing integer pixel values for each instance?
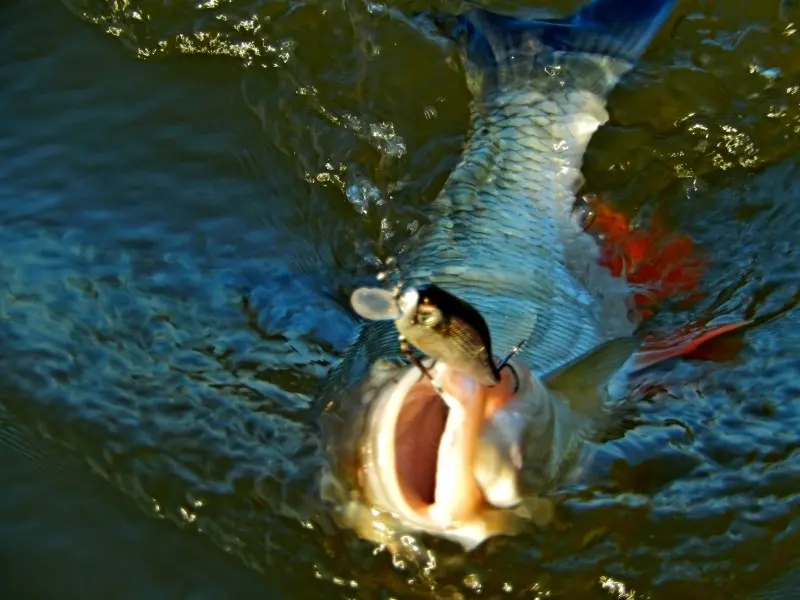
(616, 588)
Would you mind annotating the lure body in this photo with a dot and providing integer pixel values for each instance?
(437, 323)
(446, 328)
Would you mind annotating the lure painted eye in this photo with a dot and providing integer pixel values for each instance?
(429, 316)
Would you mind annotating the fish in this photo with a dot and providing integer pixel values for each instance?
(450, 455)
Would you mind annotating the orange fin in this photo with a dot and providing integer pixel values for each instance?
(698, 341)
(658, 264)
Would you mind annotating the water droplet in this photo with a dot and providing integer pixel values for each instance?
(363, 194)
(187, 516)
(473, 582)
(387, 232)
(398, 563)
(386, 140)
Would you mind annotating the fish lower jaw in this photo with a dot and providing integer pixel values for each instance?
(472, 532)
(469, 533)
(441, 518)
(434, 520)
(505, 494)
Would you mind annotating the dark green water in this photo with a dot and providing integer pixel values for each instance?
(186, 191)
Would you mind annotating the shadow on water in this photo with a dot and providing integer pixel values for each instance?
(65, 533)
(176, 234)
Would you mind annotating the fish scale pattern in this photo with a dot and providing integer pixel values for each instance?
(502, 224)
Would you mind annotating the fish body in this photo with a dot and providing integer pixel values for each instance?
(503, 239)
(502, 236)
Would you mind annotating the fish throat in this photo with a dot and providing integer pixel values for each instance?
(423, 445)
(418, 435)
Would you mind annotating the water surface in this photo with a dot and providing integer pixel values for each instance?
(187, 193)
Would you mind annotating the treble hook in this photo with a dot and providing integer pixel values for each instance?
(504, 363)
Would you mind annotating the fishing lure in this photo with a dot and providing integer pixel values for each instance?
(436, 322)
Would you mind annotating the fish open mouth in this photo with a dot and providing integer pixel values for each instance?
(421, 445)
(418, 434)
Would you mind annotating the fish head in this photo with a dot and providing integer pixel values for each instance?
(445, 327)
(407, 460)
(459, 464)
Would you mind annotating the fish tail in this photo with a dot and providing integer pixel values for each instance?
(596, 45)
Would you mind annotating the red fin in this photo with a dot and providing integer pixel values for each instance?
(699, 341)
(658, 264)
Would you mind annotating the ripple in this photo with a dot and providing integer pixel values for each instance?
(167, 313)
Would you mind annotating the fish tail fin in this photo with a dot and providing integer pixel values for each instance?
(597, 44)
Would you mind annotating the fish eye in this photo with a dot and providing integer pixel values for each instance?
(584, 214)
(588, 218)
(429, 316)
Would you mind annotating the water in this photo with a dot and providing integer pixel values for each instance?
(187, 193)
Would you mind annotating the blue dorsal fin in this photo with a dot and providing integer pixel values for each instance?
(612, 32)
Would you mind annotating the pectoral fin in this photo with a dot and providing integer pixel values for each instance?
(563, 412)
(578, 381)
